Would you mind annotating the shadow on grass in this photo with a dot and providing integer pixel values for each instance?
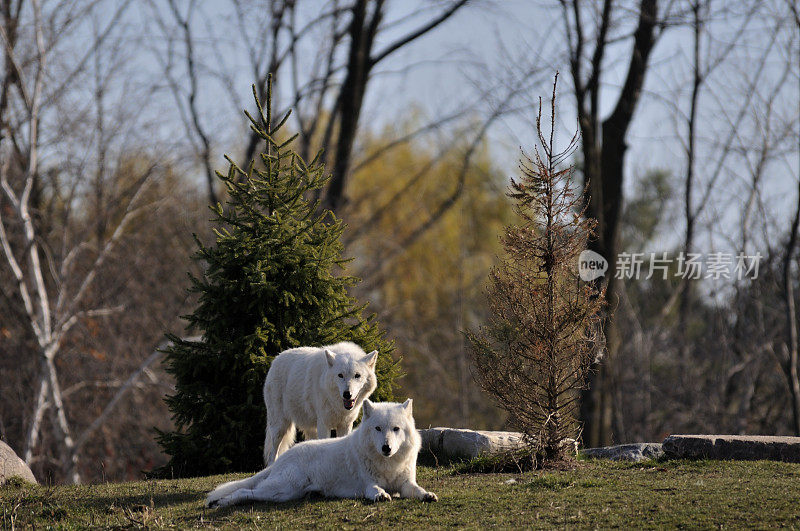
(308, 501)
(157, 500)
(283, 513)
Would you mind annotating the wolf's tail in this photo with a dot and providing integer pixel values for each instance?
(232, 486)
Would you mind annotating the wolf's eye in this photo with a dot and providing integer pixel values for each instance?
(341, 375)
(396, 428)
(378, 428)
(358, 376)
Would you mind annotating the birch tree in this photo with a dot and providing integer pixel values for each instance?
(50, 256)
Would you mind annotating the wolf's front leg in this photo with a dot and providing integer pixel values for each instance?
(410, 489)
(376, 494)
(323, 430)
(344, 429)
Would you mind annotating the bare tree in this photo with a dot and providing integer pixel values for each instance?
(603, 149)
(731, 356)
(702, 15)
(536, 351)
(329, 95)
(59, 230)
(790, 347)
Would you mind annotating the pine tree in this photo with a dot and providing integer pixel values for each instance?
(270, 283)
(535, 353)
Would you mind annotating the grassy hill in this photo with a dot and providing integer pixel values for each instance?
(592, 494)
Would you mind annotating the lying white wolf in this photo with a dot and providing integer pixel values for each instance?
(378, 459)
(315, 390)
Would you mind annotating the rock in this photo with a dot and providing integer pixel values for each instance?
(625, 452)
(12, 466)
(740, 447)
(449, 443)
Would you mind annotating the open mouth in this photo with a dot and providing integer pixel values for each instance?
(348, 403)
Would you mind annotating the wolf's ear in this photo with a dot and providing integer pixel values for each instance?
(371, 358)
(330, 356)
(407, 407)
(368, 407)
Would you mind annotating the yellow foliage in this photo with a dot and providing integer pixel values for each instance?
(431, 291)
(456, 253)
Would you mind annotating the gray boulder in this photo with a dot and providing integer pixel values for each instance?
(450, 443)
(625, 452)
(740, 447)
(12, 466)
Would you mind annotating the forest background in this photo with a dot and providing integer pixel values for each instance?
(114, 116)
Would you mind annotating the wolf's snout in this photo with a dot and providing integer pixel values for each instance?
(348, 401)
(386, 449)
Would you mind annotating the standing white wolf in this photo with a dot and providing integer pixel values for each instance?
(315, 390)
(376, 460)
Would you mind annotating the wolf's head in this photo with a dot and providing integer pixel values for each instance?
(388, 426)
(352, 374)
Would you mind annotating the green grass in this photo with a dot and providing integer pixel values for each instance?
(698, 494)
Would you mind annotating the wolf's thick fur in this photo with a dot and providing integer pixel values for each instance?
(376, 460)
(315, 390)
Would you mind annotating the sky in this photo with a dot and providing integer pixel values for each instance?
(468, 62)
(486, 37)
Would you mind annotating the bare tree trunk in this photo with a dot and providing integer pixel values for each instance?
(791, 368)
(690, 217)
(191, 69)
(604, 149)
(70, 460)
(351, 97)
(36, 416)
(791, 347)
(362, 31)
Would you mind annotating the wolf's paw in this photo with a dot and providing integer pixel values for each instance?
(429, 497)
(382, 497)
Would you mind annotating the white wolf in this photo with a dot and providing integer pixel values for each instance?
(376, 460)
(315, 390)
